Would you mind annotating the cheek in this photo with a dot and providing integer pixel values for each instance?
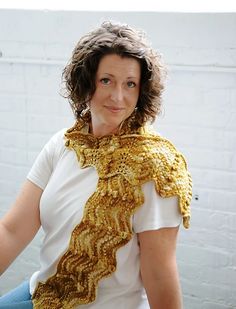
(95, 100)
(134, 100)
(131, 108)
(99, 96)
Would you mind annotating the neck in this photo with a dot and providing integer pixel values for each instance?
(103, 130)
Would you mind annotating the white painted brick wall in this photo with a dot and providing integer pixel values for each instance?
(199, 117)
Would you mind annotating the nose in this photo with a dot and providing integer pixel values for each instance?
(117, 94)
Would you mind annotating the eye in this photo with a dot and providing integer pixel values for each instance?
(131, 84)
(105, 81)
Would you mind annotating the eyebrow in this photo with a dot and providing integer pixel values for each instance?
(109, 74)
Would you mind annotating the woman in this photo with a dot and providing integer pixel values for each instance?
(109, 193)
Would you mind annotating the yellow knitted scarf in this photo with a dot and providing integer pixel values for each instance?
(124, 163)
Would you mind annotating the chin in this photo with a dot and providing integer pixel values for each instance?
(114, 126)
(114, 122)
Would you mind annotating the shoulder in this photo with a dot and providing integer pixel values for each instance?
(55, 146)
(169, 171)
(57, 140)
(162, 147)
(159, 150)
(59, 136)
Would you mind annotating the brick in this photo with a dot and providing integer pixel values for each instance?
(231, 223)
(7, 201)
(214, 179)
(199, 56)
(214, 305)
(12, 122)
(204, 138)
(5, 70)
(46, 105)
(232, 122)
(198, 115)
(190, 271)
(8, 187)
(189, 95)
(225, 276)
(204, 80)
(208, 292)
(233, 100)
(194, 302)
(217, 98)
(49, 126)
(222, 200)
(13, 82)
(11, 172)
(210, 159)
(13, 138)
(58, 51)
(203, 256)
(42, 79)
(37, 140)
(13, 104)
(13, 156)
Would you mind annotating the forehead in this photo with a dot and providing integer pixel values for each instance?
(116, 65)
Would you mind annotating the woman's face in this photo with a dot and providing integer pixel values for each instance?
(116, 95)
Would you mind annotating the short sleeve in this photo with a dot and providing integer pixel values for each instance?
(156, 212)
(45, 162)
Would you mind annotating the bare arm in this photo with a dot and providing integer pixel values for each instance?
(159, 269)
(19, 226)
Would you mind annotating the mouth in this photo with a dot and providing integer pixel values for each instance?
(114, 109)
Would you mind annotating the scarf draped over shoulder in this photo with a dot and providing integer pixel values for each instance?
(124, 163)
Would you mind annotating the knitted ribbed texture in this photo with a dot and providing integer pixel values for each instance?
(123, 163)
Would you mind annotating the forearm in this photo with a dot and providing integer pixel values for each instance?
(9, 248)
(164, 291)
(20, 224)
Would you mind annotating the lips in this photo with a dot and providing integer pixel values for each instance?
(114, 109)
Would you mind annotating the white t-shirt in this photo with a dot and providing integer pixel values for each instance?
(67, 187)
